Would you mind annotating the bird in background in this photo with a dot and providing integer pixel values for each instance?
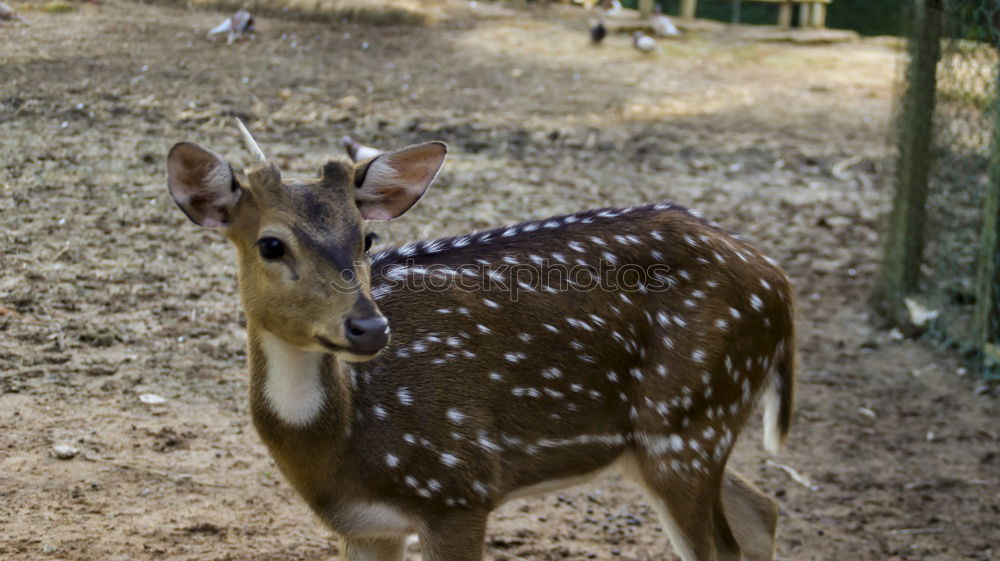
(644, 42)
(236, 26)
(611, 6)
(357, 151)
(597, 31)
(662, 25)
(8, 14)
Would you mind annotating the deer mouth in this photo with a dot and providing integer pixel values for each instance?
(356, 353)
(332, 346)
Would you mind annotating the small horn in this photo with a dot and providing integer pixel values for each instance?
(249, 141)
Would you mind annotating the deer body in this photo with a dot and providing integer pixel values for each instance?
(520, 362)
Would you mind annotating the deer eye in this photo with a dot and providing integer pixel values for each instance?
(270, 248)
(369, 239)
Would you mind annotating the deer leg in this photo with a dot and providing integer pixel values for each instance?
(374, 549)
(752, 516)
(455, 536)
(690, 507)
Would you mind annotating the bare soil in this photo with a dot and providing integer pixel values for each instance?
(107, 292)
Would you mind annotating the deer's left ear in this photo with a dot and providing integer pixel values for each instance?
(393, 182)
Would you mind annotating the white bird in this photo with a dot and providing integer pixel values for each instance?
(644, 42)
(241, 22)
(662, 25)
(358, 151)
(612, 6)
(8, 14)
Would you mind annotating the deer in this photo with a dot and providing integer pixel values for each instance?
(414, 389)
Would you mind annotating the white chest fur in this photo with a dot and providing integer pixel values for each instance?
(293, 388)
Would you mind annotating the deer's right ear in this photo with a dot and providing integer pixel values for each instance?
(202, 184)
(394, 181)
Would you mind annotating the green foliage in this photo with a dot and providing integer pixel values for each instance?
(56, 7)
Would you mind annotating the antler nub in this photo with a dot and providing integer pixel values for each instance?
(249, 141)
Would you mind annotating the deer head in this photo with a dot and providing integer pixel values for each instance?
(302, 245)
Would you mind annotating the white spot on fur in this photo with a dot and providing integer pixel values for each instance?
(391, 460)
(408, 249)
(551, 373)
(514, 357)
(579, 324)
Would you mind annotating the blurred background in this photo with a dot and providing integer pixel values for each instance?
(853, 140)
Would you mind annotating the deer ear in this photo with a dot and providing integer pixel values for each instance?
(202, 184)
(393, 182)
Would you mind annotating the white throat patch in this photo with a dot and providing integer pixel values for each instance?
(293, 389)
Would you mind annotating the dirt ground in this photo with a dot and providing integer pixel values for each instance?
(107, 292)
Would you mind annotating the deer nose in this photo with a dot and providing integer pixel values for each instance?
(367, 335)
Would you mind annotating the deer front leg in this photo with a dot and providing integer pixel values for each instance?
(454, 536)
(373, 549)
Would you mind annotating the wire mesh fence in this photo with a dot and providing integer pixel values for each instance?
(941, 261)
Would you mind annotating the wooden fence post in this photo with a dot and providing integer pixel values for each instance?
(803, 15)
(818, 16)
(987, 317)
(905, 236)
(688, 8)
(645, 8)
(785, 15)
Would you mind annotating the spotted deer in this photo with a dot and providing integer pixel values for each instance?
(512, 368)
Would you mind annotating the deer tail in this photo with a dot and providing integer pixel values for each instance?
(780, 395)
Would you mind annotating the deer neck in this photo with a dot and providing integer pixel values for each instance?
(293, 389)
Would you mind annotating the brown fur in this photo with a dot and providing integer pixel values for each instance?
(481, 395)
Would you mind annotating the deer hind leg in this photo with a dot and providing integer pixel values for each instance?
(752, 516)
(374, 549)
(689, 503)
(454, 536)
